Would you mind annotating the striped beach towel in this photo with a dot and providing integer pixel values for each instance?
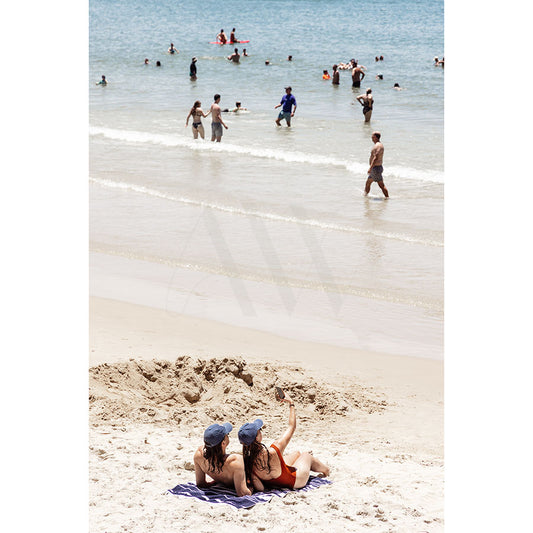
(222, 494)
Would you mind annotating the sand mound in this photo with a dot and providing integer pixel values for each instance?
(206, 390)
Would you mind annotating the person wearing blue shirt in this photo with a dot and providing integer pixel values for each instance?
(288, 101)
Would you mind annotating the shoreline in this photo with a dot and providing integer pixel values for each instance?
(354, 323)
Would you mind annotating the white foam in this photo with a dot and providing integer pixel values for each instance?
(355, 167)
(263, 215)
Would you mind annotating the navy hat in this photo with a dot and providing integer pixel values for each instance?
(215, 433)
(248, 432)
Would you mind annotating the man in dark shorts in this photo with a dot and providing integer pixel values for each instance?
(286, 112)
(375, 172)
(357, 75)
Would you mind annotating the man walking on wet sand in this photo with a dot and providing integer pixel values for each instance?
(217, 122)
(375, 172)
(286, 112)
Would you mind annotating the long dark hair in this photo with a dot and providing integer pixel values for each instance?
(215, 457)
(252, 458)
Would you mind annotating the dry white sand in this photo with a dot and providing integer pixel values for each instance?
(158, 379)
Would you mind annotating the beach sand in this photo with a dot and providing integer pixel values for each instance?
(158, 379)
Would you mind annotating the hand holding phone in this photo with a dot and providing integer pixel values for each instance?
(279, 393)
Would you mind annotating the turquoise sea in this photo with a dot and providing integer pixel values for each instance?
(269, 229)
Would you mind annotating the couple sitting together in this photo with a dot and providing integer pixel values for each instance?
(258, 465)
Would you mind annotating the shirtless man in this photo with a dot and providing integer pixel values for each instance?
(357, 75)
(232, 38)
(375, 171)
(222, 38)
(217, 122)
(271, 466)
(212, 460)
(235, 56)
(336, 76)
(367, 101)
(172, 49)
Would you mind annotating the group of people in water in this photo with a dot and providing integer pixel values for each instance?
(288, 104)
(259, 466)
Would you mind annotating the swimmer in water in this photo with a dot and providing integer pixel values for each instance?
(103, 81)
(172, 50)
(238, 107)
(235, 57)
(244, 53)
(325, 75)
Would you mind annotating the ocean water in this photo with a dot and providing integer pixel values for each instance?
(270, 229)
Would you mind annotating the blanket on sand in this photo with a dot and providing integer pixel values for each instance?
(222, 494)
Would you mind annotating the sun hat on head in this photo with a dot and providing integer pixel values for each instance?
(194, 59)
(248, 432)
(215, 433)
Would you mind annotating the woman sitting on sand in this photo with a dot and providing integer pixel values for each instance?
(268, 465)
(212, 460)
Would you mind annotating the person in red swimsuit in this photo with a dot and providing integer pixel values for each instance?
(268, 465)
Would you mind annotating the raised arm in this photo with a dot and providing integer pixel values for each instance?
(283, 441)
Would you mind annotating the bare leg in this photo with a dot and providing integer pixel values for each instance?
(201, 130)
(278, 123)
(304, 464)
(383, 188)
(291, 458)
(194, 133)
(367, 185)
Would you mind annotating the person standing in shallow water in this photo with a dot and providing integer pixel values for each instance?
(217, 122)
(192, 69)
(212, 460)
(286, 113)
(336, 75)
(367, 101)
(196, 114)
(357, 75)
(375, 171)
